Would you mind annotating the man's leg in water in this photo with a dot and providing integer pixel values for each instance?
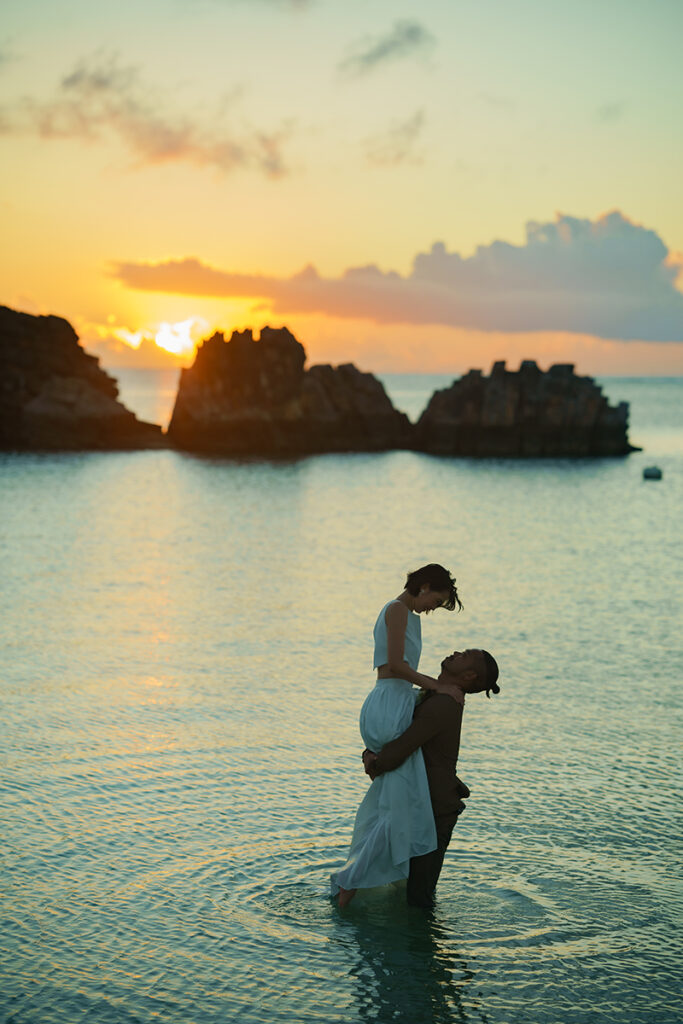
(425, 870)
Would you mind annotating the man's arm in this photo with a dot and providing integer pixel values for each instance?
(434, 716)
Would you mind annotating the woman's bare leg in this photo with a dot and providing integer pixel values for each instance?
(345, 896)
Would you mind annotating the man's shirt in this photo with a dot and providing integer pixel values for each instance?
(436, 728)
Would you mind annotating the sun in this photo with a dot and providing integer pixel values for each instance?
(176, 338)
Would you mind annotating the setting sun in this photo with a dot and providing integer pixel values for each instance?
(177, 338)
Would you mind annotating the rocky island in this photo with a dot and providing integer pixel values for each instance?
(254, 397)
(527, 412)
(56, 397)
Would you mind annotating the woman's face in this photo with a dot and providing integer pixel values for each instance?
(428, 600)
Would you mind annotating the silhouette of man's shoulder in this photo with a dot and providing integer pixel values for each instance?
(441, 706)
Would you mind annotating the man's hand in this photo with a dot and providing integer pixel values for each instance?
(463, 790)
(369, 763)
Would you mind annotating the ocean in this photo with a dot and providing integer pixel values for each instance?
(187, 643)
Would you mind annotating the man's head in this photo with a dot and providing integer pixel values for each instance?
(472, 670)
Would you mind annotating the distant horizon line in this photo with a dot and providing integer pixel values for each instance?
(111, 368)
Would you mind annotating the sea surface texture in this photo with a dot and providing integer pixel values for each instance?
(187, 643)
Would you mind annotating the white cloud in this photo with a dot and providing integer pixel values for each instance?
(607, 278)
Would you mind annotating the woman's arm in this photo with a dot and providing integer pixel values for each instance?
(396, 618)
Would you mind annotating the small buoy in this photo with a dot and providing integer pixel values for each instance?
(652, 473)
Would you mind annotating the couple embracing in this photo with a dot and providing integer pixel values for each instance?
(404, 823)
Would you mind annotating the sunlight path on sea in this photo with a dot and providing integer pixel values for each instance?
(186, 649)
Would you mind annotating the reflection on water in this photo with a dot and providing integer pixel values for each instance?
(150, 394)
(186, 647)
(419, 976)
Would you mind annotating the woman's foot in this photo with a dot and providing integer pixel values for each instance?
(345, 897)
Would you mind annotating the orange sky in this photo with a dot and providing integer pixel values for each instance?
(419, 191)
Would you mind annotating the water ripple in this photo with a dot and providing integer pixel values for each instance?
(180, 691)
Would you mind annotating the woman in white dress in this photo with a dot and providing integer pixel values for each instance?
(395, 820)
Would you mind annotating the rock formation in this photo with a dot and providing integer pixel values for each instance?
(245, 397)
(248, 397)
(54, 396)
(524, 413)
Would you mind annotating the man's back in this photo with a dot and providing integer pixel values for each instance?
(436, 728)
(440, 751)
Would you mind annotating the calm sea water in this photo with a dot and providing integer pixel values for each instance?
(186, 647)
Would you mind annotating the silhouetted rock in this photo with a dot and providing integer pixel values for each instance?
(523, 413)
(247, 397)
(54, 396)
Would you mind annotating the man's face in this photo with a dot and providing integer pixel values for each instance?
(468, 667)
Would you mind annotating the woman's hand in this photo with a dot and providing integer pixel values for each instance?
(452, 690)
(426, 682)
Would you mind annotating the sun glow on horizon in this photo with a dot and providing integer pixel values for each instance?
(131, 338)
(177, 338)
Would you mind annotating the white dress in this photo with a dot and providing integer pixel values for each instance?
(395, 820)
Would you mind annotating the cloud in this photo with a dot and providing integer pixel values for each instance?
(293, 4)
(497, 102)
(161, 345)
(607, 278)
(114, 353)
(396, 146)
(8, 54)
(406, 39)
(101, 96)
(610, 112)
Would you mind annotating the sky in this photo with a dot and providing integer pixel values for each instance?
(410, 187)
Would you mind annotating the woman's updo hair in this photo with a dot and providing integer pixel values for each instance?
(436, 578)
